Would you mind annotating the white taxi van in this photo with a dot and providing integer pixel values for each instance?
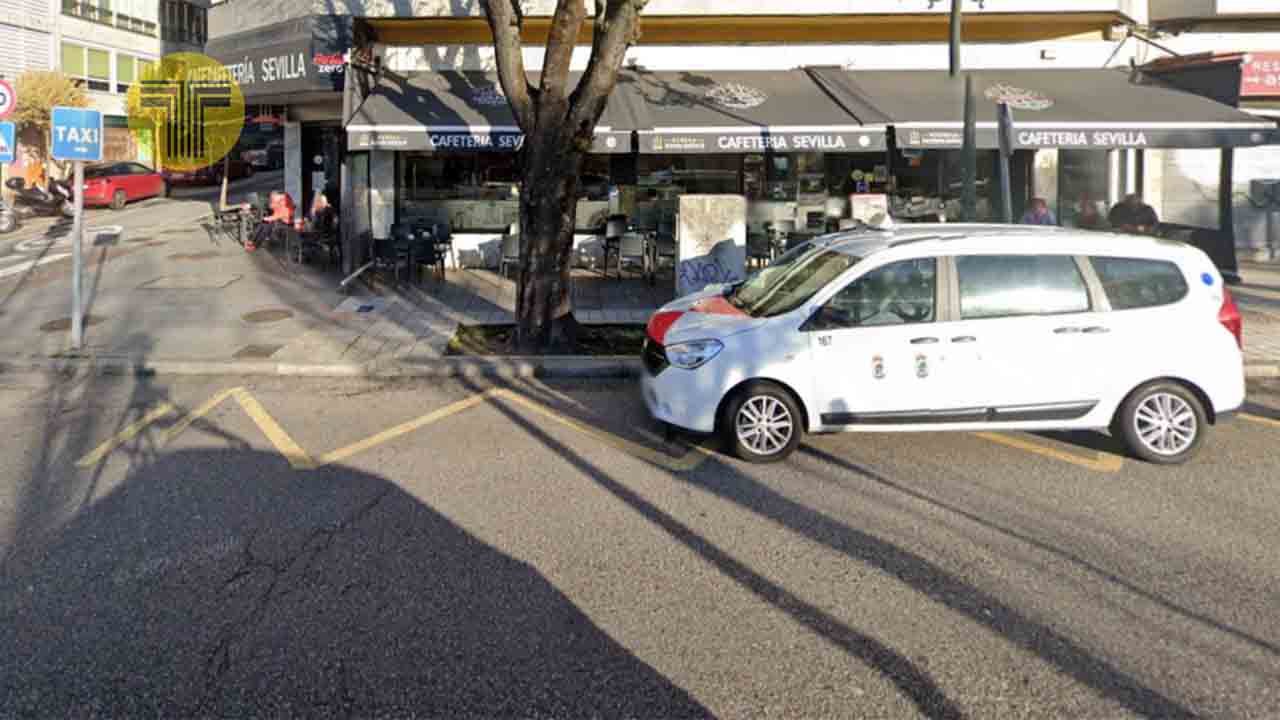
(955, 327)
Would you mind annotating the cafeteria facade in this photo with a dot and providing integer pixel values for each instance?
(791, 123)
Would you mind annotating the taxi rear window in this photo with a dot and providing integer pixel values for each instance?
(1133, 283)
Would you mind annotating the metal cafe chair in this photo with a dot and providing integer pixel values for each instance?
(510, 249)
(631, 247)
(443, 235)
(614, 229)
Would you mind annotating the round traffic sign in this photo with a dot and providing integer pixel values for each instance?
(8, 98)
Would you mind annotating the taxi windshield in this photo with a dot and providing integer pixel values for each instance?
(788, 282)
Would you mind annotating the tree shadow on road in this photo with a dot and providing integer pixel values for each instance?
(219, 583)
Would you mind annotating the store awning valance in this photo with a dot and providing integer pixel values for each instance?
(748, 111)
(455, 111)
(1052, 108)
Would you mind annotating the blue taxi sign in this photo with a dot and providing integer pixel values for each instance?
(8, 142)
(76, 134)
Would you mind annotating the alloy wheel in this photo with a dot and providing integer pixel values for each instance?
(1165, 424)
(764, 425)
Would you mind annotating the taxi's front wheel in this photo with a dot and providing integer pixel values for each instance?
(762, 423)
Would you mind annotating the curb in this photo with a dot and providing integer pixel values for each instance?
(566, 366)
(494, 367)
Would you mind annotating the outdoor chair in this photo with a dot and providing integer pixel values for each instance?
(443, 235)
(510, 249)
(631, 247)
(614, 230)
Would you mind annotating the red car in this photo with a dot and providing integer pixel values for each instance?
(117, 184)
(210, 174)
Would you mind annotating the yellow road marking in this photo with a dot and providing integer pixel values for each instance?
(196, 414)
(692, 458)
(1260, 420)
(128, 433)
(299, 459)
(1102, 462)
(402, 429)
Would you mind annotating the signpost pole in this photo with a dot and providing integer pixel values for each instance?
(969, 155)
(77, 239)
(1006, 153)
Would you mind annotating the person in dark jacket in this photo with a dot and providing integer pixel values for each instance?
(1131, 215)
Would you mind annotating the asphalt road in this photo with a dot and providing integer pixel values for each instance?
(325, 548)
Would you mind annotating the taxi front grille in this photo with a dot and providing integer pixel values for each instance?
(654, 356)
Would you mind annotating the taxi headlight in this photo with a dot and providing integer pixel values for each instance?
(693, 354)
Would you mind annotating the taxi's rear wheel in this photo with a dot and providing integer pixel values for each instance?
(762, 423)
(1162, 422)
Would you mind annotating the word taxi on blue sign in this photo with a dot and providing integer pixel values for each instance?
(77, 134)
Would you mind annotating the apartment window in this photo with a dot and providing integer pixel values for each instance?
(129, 70)
(90, 66)
(184, 22)
(137, 16)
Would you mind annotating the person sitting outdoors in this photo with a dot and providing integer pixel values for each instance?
(1131, 215)
(1089, 218)
(322, 218)
(1039, 213)
(280, 219)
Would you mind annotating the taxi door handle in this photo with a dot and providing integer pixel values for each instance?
(964, 339)
(1066, 330)
(1096, 330)
(924, 340)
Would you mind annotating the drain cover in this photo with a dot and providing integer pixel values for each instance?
(64, 324)
(267, 316)
(256, 352)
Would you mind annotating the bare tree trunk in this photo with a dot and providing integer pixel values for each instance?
(558, 121)
(548, 204)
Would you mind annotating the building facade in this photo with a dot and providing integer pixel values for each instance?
(443, 52)
(108, 44)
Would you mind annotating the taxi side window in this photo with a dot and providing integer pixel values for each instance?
(900, 293)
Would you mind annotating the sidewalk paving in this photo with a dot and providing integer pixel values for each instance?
(175, 300)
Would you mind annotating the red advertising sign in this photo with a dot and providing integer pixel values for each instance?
(1261, 75)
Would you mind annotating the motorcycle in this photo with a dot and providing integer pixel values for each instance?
(8, 218)
(57, 199)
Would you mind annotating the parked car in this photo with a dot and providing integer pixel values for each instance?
(210, 174)
(955, 327)
(117, 184)
(265, 157)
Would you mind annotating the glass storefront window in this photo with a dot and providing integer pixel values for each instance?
(1082, 178)
(691, 174)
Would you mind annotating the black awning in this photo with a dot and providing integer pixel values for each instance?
(749, 111)
(1054, 108)
(296, 56)
(456, 111)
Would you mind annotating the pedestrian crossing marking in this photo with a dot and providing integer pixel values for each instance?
(299, 459)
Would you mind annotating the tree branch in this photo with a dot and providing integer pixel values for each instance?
(562, 38)
(616, 28)
(505, 19)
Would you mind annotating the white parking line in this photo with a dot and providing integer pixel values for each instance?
(24, 267)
